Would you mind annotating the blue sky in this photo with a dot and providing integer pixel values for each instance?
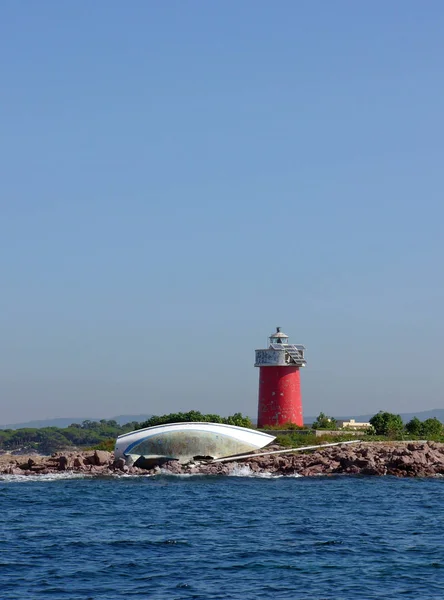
(178, 178)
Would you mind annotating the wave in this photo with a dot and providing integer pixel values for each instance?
(48, 477)
(237, 471)
(245, 471)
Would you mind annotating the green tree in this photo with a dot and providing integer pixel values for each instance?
(239, 420)
(4, 437)
(414, 427)
(324, 422)
(431, 428)
(51, 439)
(385, 423)
(22, 438)
(195, 416)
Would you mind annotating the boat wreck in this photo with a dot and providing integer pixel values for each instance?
(187, 441)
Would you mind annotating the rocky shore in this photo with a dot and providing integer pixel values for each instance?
(401, 459)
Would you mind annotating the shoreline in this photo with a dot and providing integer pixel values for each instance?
(399, 459)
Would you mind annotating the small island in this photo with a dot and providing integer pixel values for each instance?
(387, 447)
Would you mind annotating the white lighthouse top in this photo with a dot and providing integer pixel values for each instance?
(279, 337)
(280, 353)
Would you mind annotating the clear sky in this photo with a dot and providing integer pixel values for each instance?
(178, 178)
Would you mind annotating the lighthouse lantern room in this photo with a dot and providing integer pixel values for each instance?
(280, 399)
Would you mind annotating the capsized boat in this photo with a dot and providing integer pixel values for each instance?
(185, 441)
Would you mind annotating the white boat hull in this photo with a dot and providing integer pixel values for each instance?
(185, 441)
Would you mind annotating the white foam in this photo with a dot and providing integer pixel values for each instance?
(237, 471)
(245, 471)
(66, 475)
(169, 474)
(47, 477)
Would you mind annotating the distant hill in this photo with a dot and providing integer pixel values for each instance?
(123, 419)
(66, 422)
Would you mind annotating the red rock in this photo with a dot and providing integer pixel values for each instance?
(63, 463)
(119, 464)
(102, 457)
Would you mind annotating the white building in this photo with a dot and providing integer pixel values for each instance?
(352, 424)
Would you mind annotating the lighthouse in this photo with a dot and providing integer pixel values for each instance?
(280, 399)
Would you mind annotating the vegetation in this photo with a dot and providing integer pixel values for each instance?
(50, 439)
(430, 428)
(295, 440)
(288, 426)
(194, 415)
(388, 424)
(385, 426)
(325, 422)
(102, 434)
(107, 445)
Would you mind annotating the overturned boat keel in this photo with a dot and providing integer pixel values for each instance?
(187, 441)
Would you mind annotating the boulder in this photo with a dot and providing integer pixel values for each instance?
(119, 464)
(373, 470)
(173, 466)
(15, 471)
(102, 457)
(38, 468)
(63, 463)
(78, 463)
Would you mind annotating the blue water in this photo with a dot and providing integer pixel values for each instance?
(222, 537)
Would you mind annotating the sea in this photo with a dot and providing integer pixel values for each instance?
(237, 537)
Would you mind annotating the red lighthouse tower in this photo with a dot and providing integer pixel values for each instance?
(280, 399)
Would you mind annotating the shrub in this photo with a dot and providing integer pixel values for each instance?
(105, 445)
(196, 416)
(431, 428)
(324, 422)
(389, 424)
